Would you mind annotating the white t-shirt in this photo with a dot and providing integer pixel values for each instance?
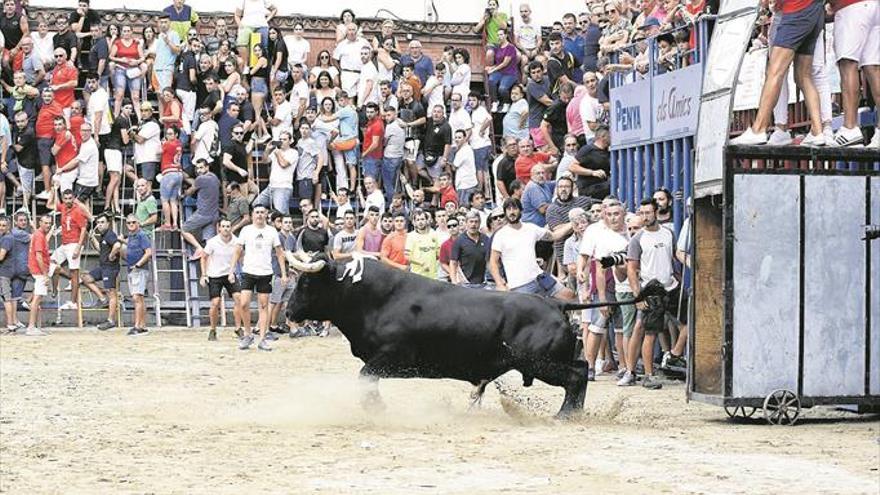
(151, 149)
(517, 249)
(88, 164)
(98, 102)
(205, 136)
(221, 253)
(259, 247)
(459, 120)
(435, 97)
(284, 113)
(299, 95)
(282, 177)
(461, 81)
(591, 112)
(377, 199)
(478, 117)
(297, 50)
(253, 13)
(527, 35)
(348, 53)
(654, 251)
(368, 73)
(465, 168)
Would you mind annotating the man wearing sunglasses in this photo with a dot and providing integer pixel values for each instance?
(64, 78)
(138, 252)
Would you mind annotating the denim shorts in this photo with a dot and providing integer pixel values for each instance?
(121, 81)
(533, 287)
(44, 148)
(799, 31)
(481, 158)
(169, 186)
(258, 85)
(372, 167)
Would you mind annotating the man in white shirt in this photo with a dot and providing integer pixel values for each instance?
(481, 144)
(368, 84)
(591, 111)
(348, 54)
(393, 151)
(218, 273)
(282, 118)
(465, 169)
(98, 109)
(527, 37)
(514, 247)
(459, 118)
(87, 178)
(256, 244)
(607, 239)
(434, 89)
(299, 94)
(374, 195)
(283, 159)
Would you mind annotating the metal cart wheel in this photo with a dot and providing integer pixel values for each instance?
(782, 407)
(740, 411)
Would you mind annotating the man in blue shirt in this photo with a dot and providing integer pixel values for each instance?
(138, 252)
(422, 65)
(537, 196)
(574, 43)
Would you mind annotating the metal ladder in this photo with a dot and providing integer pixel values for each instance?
(175, 280)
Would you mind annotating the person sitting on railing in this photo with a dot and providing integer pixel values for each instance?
(488, 26)
(527, 37)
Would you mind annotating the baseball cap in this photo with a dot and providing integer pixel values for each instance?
(650, 22)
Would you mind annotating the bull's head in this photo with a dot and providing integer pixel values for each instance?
(316, 289)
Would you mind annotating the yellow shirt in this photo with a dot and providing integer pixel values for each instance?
(423, 252)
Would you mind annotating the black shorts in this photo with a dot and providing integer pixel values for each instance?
(217, 284)
(261, 284)
(106, 274)
(655, 319)
(83, 193)
(103, 140)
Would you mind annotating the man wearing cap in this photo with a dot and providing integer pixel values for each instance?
(138, 252)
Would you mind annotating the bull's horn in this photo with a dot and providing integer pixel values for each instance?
(302, 256)
(305, 267)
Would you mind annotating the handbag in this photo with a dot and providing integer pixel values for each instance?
(133, 73)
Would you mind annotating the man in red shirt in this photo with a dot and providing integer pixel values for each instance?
(45, 131)
(64, 78)
(528, 158)
(65, 150)
(373, 151)
(75, 218)
(796, 35)
(38, 264)
(393, 246)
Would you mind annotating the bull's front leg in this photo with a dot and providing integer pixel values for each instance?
(371, 400)
(477, 394)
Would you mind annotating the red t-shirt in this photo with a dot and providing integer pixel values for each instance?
(76, 122)
(122, 51)
(61, 75)
(792, 6)
(45, 127)
(375, 129)
(524, 165)
(448, 194)
(73, 221)
(39, 247)
(171, 151)
(394, 246)
(446, 250)
(68, 149)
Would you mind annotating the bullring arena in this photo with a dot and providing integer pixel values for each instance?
(88, 412)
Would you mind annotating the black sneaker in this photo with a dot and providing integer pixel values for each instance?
(107, 325)
(137, 332)
(212, 335)
(274, 329)
(239, 332)
(104, 303)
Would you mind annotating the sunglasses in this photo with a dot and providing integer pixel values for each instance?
(611, 11)
(237, 133)
(325, 56)
(60, 56)
(452, 224)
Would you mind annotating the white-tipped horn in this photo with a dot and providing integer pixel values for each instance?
(305, 267)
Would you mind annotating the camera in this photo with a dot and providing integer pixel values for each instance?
(488, 11)
(613, 259)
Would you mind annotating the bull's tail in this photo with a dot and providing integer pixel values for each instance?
(652, 289)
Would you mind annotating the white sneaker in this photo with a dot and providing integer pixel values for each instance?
(875, 141)
(750, 137)
(813, 140)
(600, 363)
(847, 137)
(35, 332)
(43, 195)
(828, 132)
(505, 108)
(779, 138)
(68, 305)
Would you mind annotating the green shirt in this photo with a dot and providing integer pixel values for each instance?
(145, 209)
(493, 25)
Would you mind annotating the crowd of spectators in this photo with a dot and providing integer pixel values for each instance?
(384, 150)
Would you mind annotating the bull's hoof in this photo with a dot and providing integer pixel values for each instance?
(569, 414)
(372, 403)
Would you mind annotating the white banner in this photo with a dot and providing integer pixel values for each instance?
(676, 102)
(631, 114)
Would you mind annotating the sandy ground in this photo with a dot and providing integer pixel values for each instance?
(82, 412)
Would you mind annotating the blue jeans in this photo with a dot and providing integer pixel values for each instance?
(169, 186)
(276, 197)
(502, 83)
(390, 169)
(371, 167)
(148, 170)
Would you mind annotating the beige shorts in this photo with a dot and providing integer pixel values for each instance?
(41, 285)
(66, 253)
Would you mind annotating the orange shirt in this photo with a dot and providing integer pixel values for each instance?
(73, 221)
(61, 75)
(393, 247)
(524, 165)
(76, 122)
(38, 248)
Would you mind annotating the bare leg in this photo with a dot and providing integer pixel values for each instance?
(648, 353)
(803, 74)
(245, 310)
(777, 68)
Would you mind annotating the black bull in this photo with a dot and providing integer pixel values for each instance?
(403, 325)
